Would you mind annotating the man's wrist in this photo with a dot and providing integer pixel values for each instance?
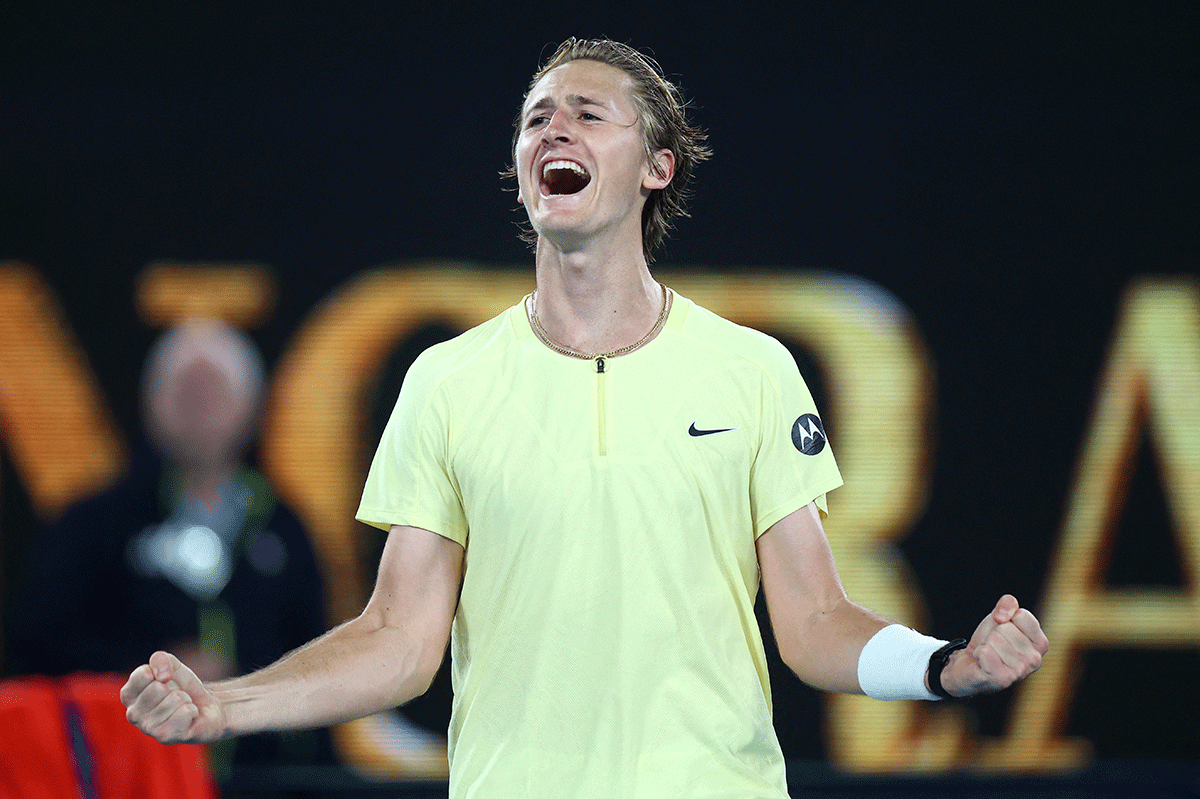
(894, 664)
(939, 663)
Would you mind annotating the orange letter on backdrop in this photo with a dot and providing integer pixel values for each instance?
(63, 442)
(241, 295)
(1151, 382)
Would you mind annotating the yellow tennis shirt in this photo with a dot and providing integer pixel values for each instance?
(605, 643)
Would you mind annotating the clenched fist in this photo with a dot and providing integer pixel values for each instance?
(167, 701)
(1007, 646)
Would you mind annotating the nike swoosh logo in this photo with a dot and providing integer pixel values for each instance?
(695, 431)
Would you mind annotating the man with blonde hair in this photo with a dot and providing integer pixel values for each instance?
(583, 495)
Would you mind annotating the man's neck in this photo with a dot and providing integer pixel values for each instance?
(595, 301)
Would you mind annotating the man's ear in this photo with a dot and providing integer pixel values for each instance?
(662, 169)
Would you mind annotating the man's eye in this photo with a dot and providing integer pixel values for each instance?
(535, 122)
(588, 116)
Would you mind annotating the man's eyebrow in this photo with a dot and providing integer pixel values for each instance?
(579, 99)
(572, 99)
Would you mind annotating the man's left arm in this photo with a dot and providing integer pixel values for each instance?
(822, 634)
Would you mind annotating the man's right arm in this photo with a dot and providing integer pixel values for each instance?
(384, 657)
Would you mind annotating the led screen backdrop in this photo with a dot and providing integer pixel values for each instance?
(976, 230)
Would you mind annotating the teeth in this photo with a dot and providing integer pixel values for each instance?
(571, 165)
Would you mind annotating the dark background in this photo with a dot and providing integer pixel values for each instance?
(1004, 170)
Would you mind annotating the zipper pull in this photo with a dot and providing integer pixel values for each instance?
(599, 366)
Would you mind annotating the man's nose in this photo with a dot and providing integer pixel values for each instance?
(558, 129)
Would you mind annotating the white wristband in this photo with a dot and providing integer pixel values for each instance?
(893, 664)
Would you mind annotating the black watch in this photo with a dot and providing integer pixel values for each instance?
(937, 662)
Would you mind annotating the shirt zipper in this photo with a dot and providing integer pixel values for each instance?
(601, 410)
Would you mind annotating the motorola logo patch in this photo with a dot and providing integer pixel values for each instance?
(808, 434)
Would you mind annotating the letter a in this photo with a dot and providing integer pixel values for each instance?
(1152, 379)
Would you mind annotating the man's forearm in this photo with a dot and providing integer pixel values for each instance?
(354, 670)
(824, 651)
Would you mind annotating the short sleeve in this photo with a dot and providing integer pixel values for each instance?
(794, 464)
(411, 481)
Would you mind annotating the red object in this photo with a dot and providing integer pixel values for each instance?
(67, 738)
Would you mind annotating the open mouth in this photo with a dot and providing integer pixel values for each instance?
(564, 177)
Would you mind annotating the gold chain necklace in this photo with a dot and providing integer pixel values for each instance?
(563, 349)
